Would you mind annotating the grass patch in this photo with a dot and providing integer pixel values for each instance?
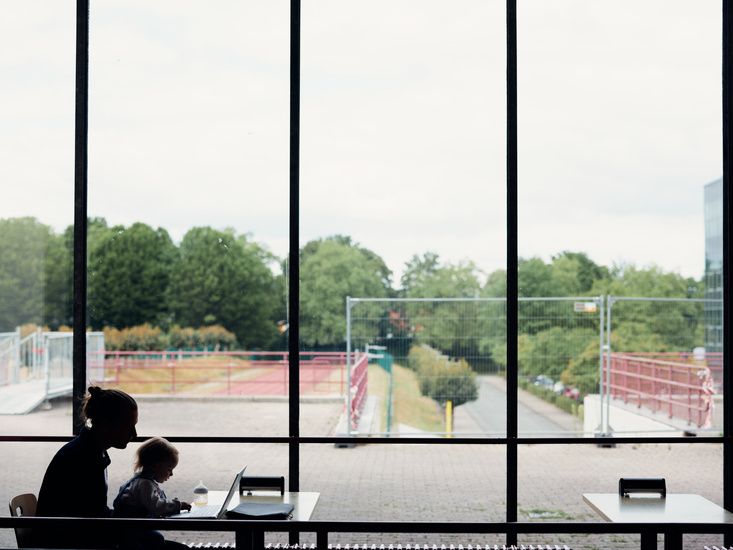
(408, 405)
(544, 513)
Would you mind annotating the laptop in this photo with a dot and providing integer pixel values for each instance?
(212, 511)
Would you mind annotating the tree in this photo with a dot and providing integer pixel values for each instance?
(576, 273)
(222, 279)
(449, 281)
(679, 324)
(453, 327)
(128, 276)
(33, 275)
(332, 269)
(417, 270)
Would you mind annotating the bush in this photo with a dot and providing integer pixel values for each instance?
(562, 402)
(30, 328)
(181, 338)
(442, 379)
(216, 337)
(140, 338)
(112, 339)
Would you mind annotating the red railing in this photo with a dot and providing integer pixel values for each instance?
(358, 387)
(232, 372)
(682, 390)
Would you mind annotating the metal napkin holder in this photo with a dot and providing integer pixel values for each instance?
(630, 485)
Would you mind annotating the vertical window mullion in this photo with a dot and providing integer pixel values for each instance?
(727, 320)
(80, 210)
(512, 265)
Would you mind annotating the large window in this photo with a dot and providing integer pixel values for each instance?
(377, 143)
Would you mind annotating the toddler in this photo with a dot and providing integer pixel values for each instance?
(142, 497)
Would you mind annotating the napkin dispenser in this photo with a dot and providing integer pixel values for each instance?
(630, 485)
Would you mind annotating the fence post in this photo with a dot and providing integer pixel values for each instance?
(229, 373)
(607, 426)
(348, 365)
(45, 345)
(601, 356)
(18, 356)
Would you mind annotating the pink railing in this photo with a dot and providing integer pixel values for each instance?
(681, 390)
(232, 372)
(358, 387)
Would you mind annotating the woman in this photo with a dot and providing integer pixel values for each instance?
(75, 483)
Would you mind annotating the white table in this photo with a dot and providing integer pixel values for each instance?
(679, 508)
(304, 504)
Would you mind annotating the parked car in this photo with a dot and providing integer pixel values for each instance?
(544, 381)
(572, 393)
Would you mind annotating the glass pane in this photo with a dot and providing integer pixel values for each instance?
(550, 491)
(619, 139)
(188, 198)
(402, 205)
(37, 203)
(407, 483)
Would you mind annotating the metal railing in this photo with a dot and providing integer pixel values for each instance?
(324, 530)
(681, 390)
(226, 372)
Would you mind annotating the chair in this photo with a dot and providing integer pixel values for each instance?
(262, 483)
(23, 505)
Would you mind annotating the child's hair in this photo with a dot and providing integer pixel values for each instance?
(106, 404)
(153, 451)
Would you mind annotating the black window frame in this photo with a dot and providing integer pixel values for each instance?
(512, 440)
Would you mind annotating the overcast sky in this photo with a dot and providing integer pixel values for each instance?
(402, 123)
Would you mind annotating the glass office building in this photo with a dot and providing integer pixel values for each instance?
(714, 266)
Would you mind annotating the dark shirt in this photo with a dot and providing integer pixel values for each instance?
(75, 485)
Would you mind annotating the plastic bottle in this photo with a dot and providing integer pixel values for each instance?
(200, 494)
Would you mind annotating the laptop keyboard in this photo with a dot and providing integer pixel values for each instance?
(203, 510)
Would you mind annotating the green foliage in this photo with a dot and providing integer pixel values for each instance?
(452, 327)
(220, 282)
(576, 273)
(140, 338)
(418, 270)
(567, 404)
(34, 275)
(128, 276)
(427, 279)
(583, 371)
(549, 352)
(216, 337)
(569, 274)
(330, 270)
(181, 338)
(222, 278)
(441, 379)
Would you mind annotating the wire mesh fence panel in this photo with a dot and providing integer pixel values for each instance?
(59, 359)
(9, 357)
(438, 349)
(559, 344)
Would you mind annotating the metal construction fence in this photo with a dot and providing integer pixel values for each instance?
(565, 345)
(42, 356)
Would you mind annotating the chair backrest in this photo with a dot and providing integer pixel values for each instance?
(23, 505)
(262, 483)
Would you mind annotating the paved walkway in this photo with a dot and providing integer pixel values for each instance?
(440, 483)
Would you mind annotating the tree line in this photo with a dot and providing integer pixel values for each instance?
(137, 275)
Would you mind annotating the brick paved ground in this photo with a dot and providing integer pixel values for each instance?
(438, 483)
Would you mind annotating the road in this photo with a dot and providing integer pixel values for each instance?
(489, 412)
